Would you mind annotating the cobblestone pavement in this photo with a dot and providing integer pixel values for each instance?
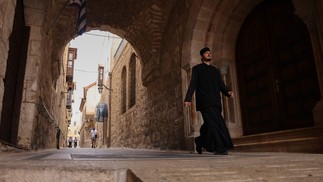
(123, 165)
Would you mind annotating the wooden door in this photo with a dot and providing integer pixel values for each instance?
(276, 70)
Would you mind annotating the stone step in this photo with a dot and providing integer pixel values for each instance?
(136, 165)
(309, 140)
(67, 174)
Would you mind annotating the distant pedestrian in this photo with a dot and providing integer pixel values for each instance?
(58, 135)
(94, 136)
(70, 140)
(207, 82)
(75, 142)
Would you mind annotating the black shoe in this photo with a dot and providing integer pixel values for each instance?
(198, 146)
(198, 149)
(221, 153)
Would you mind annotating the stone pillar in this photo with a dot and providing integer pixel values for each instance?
(225, 100)
(100, 139)
(29, 106)
(192, 118)
(231, 108)
(30, 97)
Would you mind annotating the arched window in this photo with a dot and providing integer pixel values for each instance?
(123, 90)
(132, 80)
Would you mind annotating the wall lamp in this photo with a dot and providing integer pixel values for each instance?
(100, 79)
(100, 88)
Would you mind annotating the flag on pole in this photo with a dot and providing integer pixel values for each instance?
(81, 21)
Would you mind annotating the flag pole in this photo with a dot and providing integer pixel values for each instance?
(56, 18)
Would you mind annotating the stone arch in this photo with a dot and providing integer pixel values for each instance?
(147, 18)
(212, 24)
(216, 24)
(53, 25)
(225, 33)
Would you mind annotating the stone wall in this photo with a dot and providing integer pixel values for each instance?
(165, 104)
(156, 121)
(129, 129)
(7, 12)
(43, 109)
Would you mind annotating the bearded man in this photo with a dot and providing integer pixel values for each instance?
(207, 82)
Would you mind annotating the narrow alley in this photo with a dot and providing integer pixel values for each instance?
(141, 111)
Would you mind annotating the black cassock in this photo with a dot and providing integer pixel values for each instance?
(207, 82)
(214, 134)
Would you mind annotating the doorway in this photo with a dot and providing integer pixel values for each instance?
(276, 70)
(14, 78)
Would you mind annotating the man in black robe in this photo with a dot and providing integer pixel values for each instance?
(207, 82)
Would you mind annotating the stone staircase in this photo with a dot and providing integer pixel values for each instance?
(305, 140)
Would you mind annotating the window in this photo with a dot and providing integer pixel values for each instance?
(123, 90)
(70, 64)
(70, 56)
(132, 81)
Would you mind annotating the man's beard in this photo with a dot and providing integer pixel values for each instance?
(207, 59)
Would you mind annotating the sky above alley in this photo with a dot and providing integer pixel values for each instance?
(93, 48)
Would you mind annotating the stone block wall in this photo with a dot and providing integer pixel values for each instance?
(129, 129)
(7, 12)
(43, 108)
(156, 121)
(50, 111)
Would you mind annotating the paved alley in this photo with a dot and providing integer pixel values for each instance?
(121, 165)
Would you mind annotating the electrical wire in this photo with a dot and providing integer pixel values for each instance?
(115, 37)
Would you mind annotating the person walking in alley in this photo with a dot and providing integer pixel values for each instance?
(207, 82)
(75, 142)
(94, 136)
(70, 140)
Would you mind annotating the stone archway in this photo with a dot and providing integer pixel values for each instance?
(216, 24)
(142, 24)
(227, 34)
(127, 19)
